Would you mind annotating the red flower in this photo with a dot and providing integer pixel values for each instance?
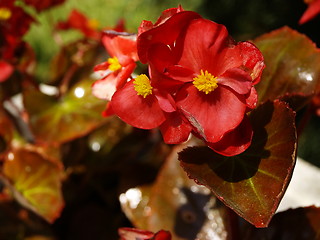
(312, 11)
(77, 20)
(118, 68)
(142, 104)
(14, 23)
(134, 234)
(13, 19)
(217, 77)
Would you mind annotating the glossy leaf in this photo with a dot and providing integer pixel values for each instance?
(292, 65)
(35, 180)
(176, 204)
(293, 224)
(75, 115)
(252, 183)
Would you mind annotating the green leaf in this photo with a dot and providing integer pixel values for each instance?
(292, 66)
(35, 180)
(252, 183)
(59, 121)
(177, 204)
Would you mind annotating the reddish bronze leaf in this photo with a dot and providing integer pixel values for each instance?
(252, 183)
(35, 181)
(292, 65)
(52, 121)
(177, 204)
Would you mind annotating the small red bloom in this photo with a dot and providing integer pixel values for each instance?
(14, 23)
(134, 234)
(77, 20)
(122, 49)
(312, 11)
(13, 19)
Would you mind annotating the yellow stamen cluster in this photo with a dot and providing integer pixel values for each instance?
(5, 13)
(114, 64)
(205, 82)
(142, 85)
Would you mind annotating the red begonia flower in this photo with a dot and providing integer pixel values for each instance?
(134, 234)
(41, 5)
(217, 77)
(77, 20)
(14, 20)
(118, 68)
(6, 70)
(14, 23)
(312, 11)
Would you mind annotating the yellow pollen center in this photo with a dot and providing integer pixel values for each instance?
(142, 85)
(5, 13)
(114, 64)
(93, 23)
(205, 82)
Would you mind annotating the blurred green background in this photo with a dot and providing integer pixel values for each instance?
(244, 19)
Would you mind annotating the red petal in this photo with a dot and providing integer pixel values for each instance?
(105, 88)
(135, 110)
(175, 130)
(165, 33)
(108, 111)
(312, 11)
(211, 114)
(6, 70)
(161, 57)
(102, 66)
(120, 46)
(236, 141)
(162, 235)
(134, 234)
(236, 79)
(168, 13)
(165, 100)
(203, 43)
(180, 73)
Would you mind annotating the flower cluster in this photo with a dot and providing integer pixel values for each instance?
(199, 80)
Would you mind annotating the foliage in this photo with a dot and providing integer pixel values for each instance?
(171, 131)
